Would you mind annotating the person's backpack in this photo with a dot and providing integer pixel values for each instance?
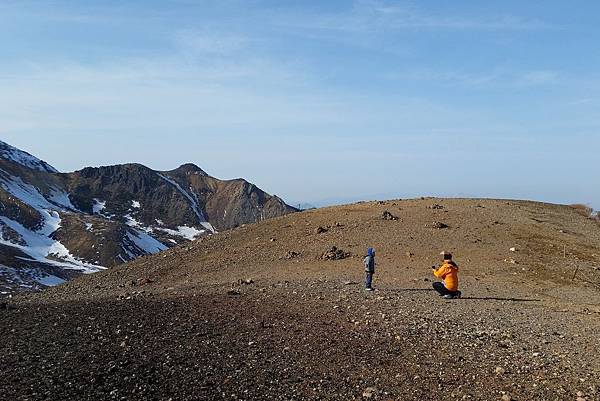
(369, 264)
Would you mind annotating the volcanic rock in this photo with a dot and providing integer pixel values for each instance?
(334, 253)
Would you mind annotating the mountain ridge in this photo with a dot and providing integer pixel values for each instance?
(99, 217)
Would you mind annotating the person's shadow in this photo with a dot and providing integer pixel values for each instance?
(502, 299)
(472, 298)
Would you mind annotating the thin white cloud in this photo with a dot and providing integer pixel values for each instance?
(541, 77)
(206, 42)
(375, 16)
(494, 78)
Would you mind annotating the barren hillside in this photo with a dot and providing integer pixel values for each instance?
(257, 312)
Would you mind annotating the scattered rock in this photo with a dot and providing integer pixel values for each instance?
(500, 370)
(436, 207)
(334, 253)
(369, 392)
(143, 281)
(320, 230)
(438, 225)
(506, 397)
(386, 215)
(291, 255)
(513, 249)
(409, 254)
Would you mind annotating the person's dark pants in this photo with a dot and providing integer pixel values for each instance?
(368, 280)
(442, 290)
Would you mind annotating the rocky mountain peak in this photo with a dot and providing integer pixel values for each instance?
(190, 168)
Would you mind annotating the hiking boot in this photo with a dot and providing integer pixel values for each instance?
(458, 294)
(369, 289)
(450, 296)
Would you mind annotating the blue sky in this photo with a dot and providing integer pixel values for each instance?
(314, 101)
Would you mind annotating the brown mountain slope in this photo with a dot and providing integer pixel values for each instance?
(550, 241)
(257, 313)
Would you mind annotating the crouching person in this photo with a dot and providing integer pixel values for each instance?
(369, 269)
(448, 272)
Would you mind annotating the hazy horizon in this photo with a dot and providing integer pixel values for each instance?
(316, 102)
(333, 201)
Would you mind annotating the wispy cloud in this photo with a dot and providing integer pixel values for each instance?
(493, 78)
(376, 16)
(209, 42)
(539, 77)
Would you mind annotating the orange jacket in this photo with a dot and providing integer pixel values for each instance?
(448, 272)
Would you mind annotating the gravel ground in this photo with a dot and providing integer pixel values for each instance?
(286, 341)
(256, 313)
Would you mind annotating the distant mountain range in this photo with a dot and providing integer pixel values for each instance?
(54, 226)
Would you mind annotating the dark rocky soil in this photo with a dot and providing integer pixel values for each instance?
(312, 340)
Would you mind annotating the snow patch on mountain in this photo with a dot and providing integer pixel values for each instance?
(189, 233)
(132, 222)
(98, 206)
(11, 153)
(26, 193)
(208, 226)
(42, 248)
(39, 244)
(28, 278)
(192, 200)
(145, 242)
(49, 280)
(61, 199)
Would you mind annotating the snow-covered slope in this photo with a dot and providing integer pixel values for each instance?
(9, 152)
(54, 226)
(38, 258)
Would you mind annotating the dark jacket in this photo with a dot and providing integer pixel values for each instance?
(370, 264)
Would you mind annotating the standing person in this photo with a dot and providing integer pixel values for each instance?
(448, 272)
(369, 268)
